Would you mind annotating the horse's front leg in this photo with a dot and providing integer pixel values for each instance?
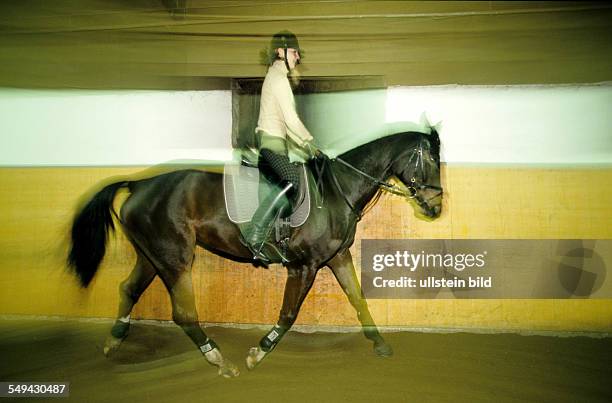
(299, 282)
(344, 270)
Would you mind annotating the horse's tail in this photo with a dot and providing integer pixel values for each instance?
(90, 233)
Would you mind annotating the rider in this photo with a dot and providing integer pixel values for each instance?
(278, 121)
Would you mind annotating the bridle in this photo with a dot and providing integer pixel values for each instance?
(415, 185)
(410, 192)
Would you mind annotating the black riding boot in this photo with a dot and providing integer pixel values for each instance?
(261, 224)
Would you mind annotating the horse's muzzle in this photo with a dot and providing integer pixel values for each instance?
(432, 212)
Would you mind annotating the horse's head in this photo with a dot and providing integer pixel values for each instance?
(418, 168)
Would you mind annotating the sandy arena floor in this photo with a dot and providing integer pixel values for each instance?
(159, 364)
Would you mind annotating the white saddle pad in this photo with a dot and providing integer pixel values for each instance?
(241, 188)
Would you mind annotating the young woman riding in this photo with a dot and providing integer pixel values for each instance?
(278, 122)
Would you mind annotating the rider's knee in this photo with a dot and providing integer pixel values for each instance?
(292, 189)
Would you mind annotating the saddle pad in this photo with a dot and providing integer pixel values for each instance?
(241, 189)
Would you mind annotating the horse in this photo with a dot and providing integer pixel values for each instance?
(166, 216)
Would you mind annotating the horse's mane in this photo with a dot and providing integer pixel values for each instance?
(393, 140)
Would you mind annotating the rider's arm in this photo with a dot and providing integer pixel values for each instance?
(295, 128)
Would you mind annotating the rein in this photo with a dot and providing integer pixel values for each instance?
(385, 185)
(410, 193)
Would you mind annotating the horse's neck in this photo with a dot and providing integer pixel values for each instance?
(372, 160)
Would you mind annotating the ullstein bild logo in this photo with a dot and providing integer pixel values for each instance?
(485, 268)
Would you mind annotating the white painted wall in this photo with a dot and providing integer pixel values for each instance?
(548, 125)
(569, 125)
(516, 124)
(74, 127)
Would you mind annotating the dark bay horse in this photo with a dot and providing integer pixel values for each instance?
(166, 216)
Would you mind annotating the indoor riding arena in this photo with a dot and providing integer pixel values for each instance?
(457, 196)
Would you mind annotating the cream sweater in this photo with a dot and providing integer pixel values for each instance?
(277, 114)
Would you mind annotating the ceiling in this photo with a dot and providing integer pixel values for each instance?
(189, 44)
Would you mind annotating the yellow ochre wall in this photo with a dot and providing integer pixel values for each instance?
(37, 205)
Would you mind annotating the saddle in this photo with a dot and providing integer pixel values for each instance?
(244, 187)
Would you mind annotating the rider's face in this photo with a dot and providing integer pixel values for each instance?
(293, 57)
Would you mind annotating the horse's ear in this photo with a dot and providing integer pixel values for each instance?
(434, 142)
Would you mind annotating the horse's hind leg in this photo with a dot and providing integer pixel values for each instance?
(344, 270)
(184, 313)
(130, 291)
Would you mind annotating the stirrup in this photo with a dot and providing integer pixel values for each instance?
(258, 256)
(267, 252)
(273, 248)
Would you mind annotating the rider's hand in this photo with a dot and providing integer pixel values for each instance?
(312, 150)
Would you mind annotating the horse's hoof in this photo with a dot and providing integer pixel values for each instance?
(255, 356)
(111, 345)
(383, 349)
(228, 370)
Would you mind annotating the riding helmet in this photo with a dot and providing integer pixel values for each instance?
(283, 39)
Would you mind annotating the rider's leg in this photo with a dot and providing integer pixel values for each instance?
(278, 169)
(263, 219)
